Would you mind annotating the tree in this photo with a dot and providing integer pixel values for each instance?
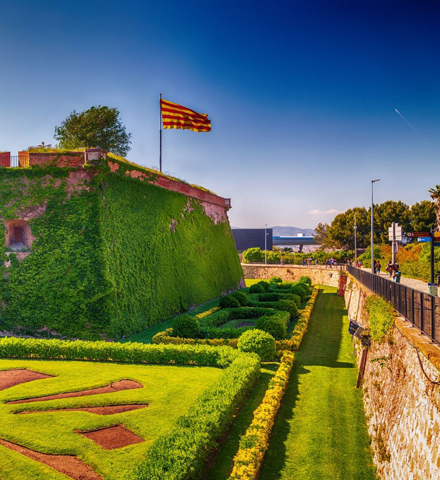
(422, 216)
(97, 127)
(435, 195)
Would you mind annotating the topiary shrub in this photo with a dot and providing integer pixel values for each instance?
(288, 306)
(259, 342)
(186, 326)
(273, 326)
(241, 297)
(256, 288)
(300, 290)
(229, 301)
(265, 285)
(275, 280)
(296, 299)
(306, 280)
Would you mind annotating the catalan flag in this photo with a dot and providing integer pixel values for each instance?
(177, 116)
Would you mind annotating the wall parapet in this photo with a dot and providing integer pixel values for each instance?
(401, 403)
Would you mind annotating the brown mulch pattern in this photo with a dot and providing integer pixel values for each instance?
(10, 378)
(69, 465)
(113, 387)
(112, 437)
(107, 410)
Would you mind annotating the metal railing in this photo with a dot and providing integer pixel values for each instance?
(420, 308)
(14, 161)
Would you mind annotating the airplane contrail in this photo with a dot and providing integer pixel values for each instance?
(406, 121)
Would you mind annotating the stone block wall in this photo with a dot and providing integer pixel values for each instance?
(401, 404)
(319, 275)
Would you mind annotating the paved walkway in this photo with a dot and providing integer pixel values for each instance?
(409, 282)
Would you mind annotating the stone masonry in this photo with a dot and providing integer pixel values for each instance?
(401, 404)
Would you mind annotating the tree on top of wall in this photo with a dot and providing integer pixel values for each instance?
(97, 127)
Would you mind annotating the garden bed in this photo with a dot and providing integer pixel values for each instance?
(57, 426)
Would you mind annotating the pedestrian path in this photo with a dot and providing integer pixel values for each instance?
(320, 432)
(409, 282)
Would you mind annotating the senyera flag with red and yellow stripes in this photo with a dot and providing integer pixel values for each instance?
(177, 116)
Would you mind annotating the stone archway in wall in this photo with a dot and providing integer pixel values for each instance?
(18, 235)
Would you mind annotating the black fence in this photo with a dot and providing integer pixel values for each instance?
(420, 308)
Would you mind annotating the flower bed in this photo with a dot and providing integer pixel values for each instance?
(254, 443)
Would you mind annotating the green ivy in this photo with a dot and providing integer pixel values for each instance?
(163, 253)
(111, 260)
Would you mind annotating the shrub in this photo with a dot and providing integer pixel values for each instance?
(216, 319)
(285, 286)
(259, 342)
(300, 291)
(275, 280)
(268, 297)
(256, 288)
(185, 326)
(381, 317)
(211, 332)
(241, 297)
(288, 306)
(252, 255)
(305, 279)
(272, 325)
(296, 299)
(265, 285)
(229, 301)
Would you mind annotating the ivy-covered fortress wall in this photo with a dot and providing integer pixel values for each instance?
(111, 251)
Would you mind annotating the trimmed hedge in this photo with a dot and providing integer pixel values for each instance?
(272, 326)
(115, 352)
(229, 301)
(254, 443)
(259, 342)
(241, 297)
(186, 326)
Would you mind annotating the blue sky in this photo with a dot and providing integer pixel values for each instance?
(301, 94)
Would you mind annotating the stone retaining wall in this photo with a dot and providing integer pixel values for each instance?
(319, 275)
(401, 404)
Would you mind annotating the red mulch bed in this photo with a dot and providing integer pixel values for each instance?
(107, 410)
(113, 387)
(69, 465)
(112, 437)
(10, 378)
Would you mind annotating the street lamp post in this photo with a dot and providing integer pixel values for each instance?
(355, 248)
(265, 244)
(372, 220)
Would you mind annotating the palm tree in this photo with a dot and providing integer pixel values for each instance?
(435, 195)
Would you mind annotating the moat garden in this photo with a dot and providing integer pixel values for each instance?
(177, 402)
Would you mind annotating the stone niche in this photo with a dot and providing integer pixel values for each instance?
(18, 235)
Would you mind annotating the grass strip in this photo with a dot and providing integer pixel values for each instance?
(320, 431)
(254, 443)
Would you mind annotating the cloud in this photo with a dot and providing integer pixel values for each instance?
(332, 211)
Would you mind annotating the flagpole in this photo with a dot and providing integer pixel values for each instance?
(160, 134)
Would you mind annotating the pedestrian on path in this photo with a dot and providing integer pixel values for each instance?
(396, 273)
(389, 268)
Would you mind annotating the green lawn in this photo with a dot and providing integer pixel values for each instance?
(169, 391)
(320, 432)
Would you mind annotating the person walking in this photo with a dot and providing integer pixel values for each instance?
(397, 273)
(390, 268)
